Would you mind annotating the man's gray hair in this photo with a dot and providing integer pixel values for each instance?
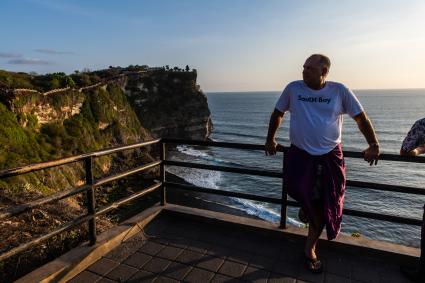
(323, 59)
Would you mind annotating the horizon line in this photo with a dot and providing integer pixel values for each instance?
(354, 89)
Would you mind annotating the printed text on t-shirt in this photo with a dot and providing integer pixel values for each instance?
(314, 99)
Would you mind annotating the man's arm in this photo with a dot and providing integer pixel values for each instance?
(414, 152)
(275, 120)
(410, 146)
(371, 154)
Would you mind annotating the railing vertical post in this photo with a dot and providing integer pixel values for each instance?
(91, 202)
(284, 205)
(162, 173)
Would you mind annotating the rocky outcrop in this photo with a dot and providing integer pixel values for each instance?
(167, 103)
(170, 104)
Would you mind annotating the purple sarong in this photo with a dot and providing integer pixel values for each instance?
(299, 178)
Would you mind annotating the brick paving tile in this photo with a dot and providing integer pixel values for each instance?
(105, 280)
(178, 242)
(339, 266)
(262, 262)
(210, 262)
(281, 278)
(333, 278)
(137, 260)
(392, 275)
(170, 252)
(218, 251)
(84, 277)
(121, 252)
(159, 240)
(162, 279)
(197, 275)
(142, 277)
(253, 274)
(287, 268)
(156, 265)
(232, 269)
(220, 278)
(151, 248)
(189, 257)
(198, 246)
(365, 271)
(177, 270)
(290, 254)
(103, 266)
(308, 276)
(121, 273)
(239, 256)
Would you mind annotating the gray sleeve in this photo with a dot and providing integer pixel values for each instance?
(283, 102)
(351, 104)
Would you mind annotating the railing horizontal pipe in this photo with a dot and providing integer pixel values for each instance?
(122, 201)
(224, 169)
(220, 144)
(385, 187)
(384, 217)
(12, 211)
(54, 163)
(36, 241)
(281, 148)
(172, 185)
(126, 173)
(351, 212)
(373, 215)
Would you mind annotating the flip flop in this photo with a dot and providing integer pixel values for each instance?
(313, 265)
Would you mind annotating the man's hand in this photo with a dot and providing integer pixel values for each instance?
(371, 154)
(271, 147)
(275, 120)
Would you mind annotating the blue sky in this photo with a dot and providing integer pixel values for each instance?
(236, 45)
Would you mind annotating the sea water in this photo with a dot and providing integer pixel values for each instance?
(243, 117)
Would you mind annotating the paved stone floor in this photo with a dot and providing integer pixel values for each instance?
(171, 249)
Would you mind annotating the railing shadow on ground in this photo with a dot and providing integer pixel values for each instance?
(91, 184)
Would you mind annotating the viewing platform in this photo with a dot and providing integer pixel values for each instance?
(176, 243)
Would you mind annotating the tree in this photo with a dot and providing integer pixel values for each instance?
(167, 67)
(187, 68)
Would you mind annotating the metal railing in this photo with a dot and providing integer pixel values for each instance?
(91, 184)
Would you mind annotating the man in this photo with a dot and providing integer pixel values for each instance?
(414, 142)
(314, 169)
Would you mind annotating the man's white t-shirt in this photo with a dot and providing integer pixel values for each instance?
(316, 115)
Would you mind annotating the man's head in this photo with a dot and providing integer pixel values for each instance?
(315, 70)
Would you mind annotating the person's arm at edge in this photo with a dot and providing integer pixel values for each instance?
(414, 152)
(275, 120)
(371, 154)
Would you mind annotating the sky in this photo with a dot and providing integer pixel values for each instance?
(235, 45)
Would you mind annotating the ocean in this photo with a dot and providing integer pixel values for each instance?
(243, 117)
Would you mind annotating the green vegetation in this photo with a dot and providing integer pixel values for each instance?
(24, 141)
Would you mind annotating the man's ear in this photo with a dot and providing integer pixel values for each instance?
(325, 71)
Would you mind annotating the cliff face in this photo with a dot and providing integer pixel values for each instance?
(170, 104)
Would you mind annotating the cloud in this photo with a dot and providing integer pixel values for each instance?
(9, 55)
(53, 52)
(28, 61)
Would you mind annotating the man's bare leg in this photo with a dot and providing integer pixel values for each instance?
(315, 229)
